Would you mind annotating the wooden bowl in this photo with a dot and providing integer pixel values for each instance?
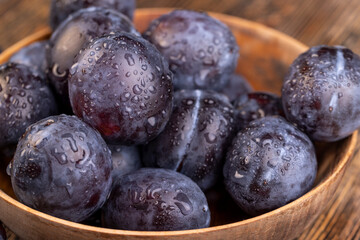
(265, 57)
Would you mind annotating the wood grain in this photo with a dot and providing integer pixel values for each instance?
(310, 21)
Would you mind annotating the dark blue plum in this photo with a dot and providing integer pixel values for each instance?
(68, 39)
(122, 86)
(202, 51)
(62, 167)
(24, 99)
(125, 159)
(236, 87)
(320, 94)
(195, 139)
(156, 200)
(256, 105)
(269, 164)
(34, 56)
(61, 9)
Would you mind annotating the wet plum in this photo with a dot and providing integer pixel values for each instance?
(194, 141)
(34, 56)
(67, 40)
(320, 94)
(202, 51)
(125, 159)
(156, 200)
(24, 99)
(269, 164)
(122, 86)
(61, 9)
(62, 167)
(236, 87)
(256, 105)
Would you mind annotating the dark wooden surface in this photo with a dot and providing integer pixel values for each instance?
(313, 22)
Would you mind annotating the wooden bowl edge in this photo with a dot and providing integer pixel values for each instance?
(45, 33)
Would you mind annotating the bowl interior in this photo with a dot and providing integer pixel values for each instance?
(265, 56)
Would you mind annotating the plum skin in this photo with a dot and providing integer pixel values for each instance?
(122, 86)
(62, 167)
(33, 55)
(320, 94)
(255, 105)
(151, 199)
(24, 99)
(125, 159)
(195, 139)
(202, 52)
(269, 164)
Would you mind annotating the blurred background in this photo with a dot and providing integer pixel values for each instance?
(312, 22)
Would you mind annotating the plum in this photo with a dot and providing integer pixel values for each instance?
(62, 167)
(202, 51)
(269, 164)
(122, 86)
(156, 200)
(195, 139)
(320, 94)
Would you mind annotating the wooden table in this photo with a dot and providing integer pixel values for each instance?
(313, 22)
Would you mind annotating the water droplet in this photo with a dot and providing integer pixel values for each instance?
(8, 169)
(143, 106)
(74, 68)
(152, 89)
(18, 114)
(210, 137)
(210, 49)
(125, 97)
(135, 99)
(137, 90)
(330, 109)
(144, 67)
(22, 93)
(69, 189)
(189, 102)
(128, 74)
(130, 60)
(163, 42)
(152, 121)
(92, 53)
(201, 54)
(151, 77)
(72, 142)
(183, 203)
(216, 41)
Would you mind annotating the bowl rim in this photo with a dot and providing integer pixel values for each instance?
(46, 32)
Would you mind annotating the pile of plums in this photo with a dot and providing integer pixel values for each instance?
(139, 126)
